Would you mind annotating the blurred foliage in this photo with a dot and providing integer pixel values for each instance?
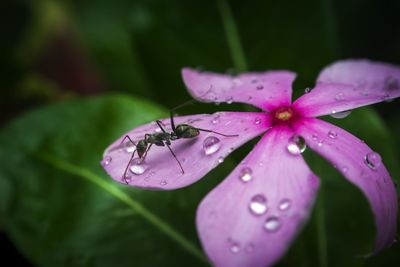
(55, 54)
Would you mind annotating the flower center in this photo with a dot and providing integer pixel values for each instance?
(283, 114)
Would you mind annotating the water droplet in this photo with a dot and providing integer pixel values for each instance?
(138, 167)
(258, 204)
(163, 183)
(332, 134)
(215, 120)
(339, 97)
(235, 247)
(373, 160)
(314, 137)
(320, 143)
(230, 150)
(229, 100)
(254, 80)
(211, 145)
(272, 224)
(340, 115)
(285, 204)
(129, 147)
(260, 87)
(296, 145)
(106, 161)
(246, 174)
(127, 179)
(307, 90)
(345, 169)
(257, 121)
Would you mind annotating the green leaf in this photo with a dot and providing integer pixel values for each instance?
(59, 207)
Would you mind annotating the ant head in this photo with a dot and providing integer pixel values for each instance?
(186, 131)
(141, 147)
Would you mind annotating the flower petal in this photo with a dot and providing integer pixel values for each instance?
(161, 170)
(350, 84)
(251, 218)
(362, 167)
(266, 90)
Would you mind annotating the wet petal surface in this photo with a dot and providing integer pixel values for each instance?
(251, 218)
(197, 156)
(361, 166)
(265, 90)
(349, 84)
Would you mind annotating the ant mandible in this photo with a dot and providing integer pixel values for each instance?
(163, 138)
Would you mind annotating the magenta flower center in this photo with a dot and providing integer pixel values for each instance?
(283, 115)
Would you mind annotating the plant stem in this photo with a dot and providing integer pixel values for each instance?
(232, 36)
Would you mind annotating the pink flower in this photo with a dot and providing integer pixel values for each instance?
(251, 218)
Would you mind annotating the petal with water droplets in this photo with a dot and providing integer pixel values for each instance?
(362, 167)
(266, 90)
(197, 156)
(252, 223)
(349, 84)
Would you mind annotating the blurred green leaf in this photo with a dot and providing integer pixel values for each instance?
(62, 210)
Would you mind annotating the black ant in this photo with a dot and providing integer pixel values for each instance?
(163, 138)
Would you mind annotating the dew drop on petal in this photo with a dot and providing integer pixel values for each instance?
(272, 224)
(260, 87)
(106, 161)
(332, 134)
(246, 174)
(211, 145)
(127, 179)
(163, 182)
(307, 90)
(314, 137)
(235, 247)
(285, 204)
(339, 97)
(129, 147)
(340, 115)
(215, 120)
(229, 100)
(258, 204)
(220, 159)
(257, 121)
(345, 169)
(137, 167)
(296, 145)
(373, 160)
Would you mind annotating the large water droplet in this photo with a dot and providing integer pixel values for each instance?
(373, 160)
(296, 145)
(137, 166)
(246, 174)
(257, 121)
(332, 134)
(285, 204)
(258, 204)
(340, 115)
(106, 161)
(211, 145)
(272, 224)
(339, 97)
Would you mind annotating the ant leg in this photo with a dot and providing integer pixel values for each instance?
(173, 154)
(145, 153)
(159, 123)
(127, 166)
(127, 137)
(210, 131)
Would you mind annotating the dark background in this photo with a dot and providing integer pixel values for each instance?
(59, 52)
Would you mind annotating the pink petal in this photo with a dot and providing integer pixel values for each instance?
(266, 90)
(232, 232)
(358, 163)
(350, 84)
(161, 170)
